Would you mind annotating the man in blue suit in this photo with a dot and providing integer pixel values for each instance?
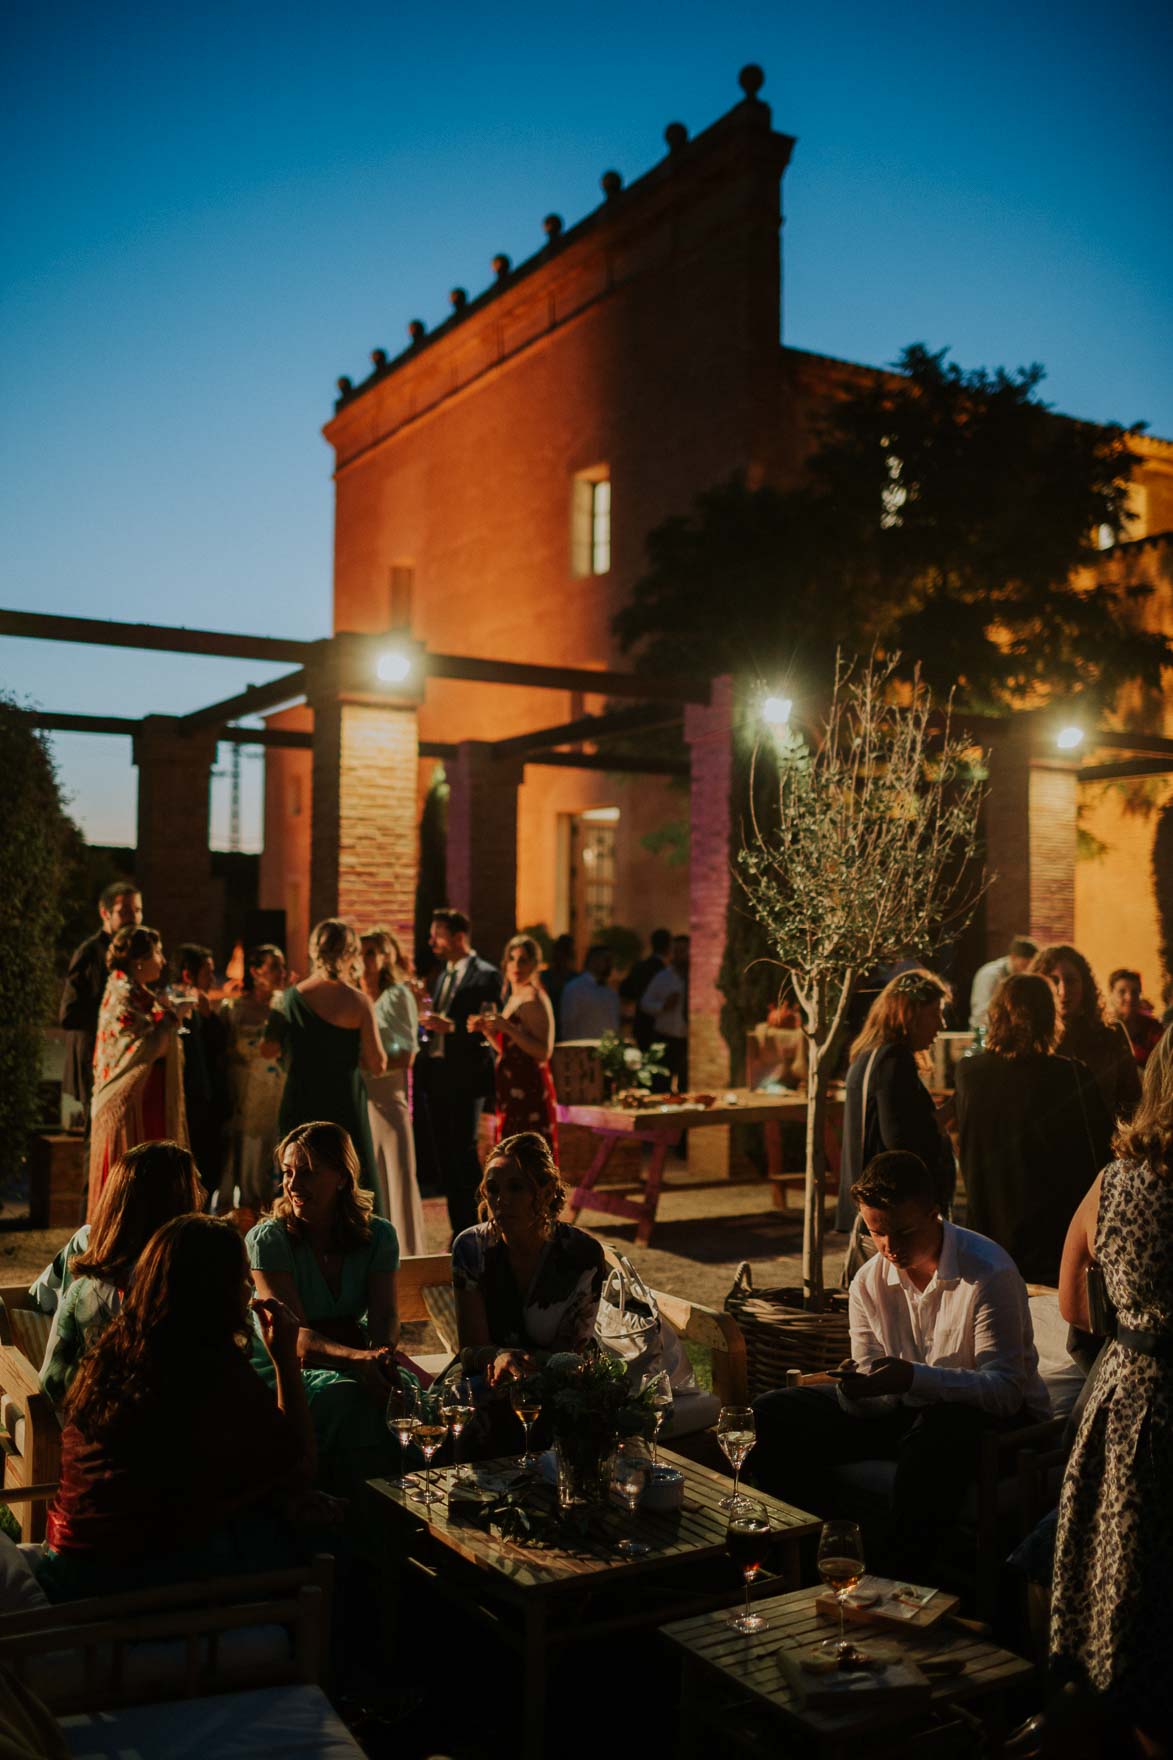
(456, 1065)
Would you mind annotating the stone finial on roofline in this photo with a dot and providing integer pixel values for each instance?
(751, 79)
(417, 330)
(676, 136)
(501, 265)
(552, 226)
(612, 182)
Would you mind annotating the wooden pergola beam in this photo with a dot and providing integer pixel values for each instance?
(160, 637)
(637, 719)
(566, 678)
(253, 701)
(623, 765)
(1126, 768)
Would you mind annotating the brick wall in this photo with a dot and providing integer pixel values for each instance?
(482, 843)
(364, 846)
(1030, 835)
(174, 865)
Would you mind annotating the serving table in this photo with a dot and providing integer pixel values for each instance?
(540, 1599)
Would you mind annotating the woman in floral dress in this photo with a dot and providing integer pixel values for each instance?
(257, 1081)
(523, 1034)
(138, 1064)
(1110, 1624)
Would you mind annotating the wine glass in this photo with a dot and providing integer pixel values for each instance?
(840, 1564)
(459, 1409)
(523, 1397)
(747, 1541)
(659, 1386)
(181, 1001)
(736, 1433)
(403, 1421)
(631, 1470)
(430, 1432)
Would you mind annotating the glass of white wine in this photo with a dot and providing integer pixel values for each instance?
(459, 1410)
(736, 1433)
(429, 1434)
(840, 1564)
(403, 1421)
(631, 1469)
(747, 1541)
(659, 1387)
(525, 1402)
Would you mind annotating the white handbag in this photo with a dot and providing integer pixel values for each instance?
(629, 1325)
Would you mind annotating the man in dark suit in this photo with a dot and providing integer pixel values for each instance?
(120, 906)
(456, 1065)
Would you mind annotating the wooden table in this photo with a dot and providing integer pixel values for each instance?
(731, 1680)
(537, 1599)
(663, 1127)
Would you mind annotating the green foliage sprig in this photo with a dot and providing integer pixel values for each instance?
(626, 1066)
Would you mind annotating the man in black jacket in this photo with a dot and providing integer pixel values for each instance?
(456, 1066)
(120, 906)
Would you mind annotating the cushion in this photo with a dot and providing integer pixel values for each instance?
(440, 1301)
(158, 1668)
(1063, 1377)
(692, 1410)
(19, 1589)
(296, 1723)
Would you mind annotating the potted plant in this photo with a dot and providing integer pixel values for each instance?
(590, 1402)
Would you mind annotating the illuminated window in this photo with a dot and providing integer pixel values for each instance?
(402, 592)
(894, 493)
(590, 522)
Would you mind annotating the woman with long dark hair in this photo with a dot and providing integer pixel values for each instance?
(397, 1196)
(175, 1454)
(522, 1035)
(1087, 1032)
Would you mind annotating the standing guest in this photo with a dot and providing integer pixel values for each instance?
(987, 978)
(119, 907)
(205, 1065)
(326, 1031)
(523, 1035)
(397, 1196)
(887, 1105)
(1142, 1027)
(665, 1003)
(590, 1007)
(332, 1264)
(138, 1065)
(1034, 1130)
(942, 1351)
(636, 982)
(175, 1452)
(557, 975)
(1087, 1034)
(457, 1065)
(256, 1081)
(147, 1187)
(1114, 1548)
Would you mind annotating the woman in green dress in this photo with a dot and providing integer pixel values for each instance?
(327, 1033)
(324, 1255)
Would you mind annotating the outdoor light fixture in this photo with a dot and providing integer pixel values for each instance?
(393, 666)
(1068, 738)
(776, 711)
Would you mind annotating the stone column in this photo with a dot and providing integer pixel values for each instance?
(1030, 827)
(482, 842)
(174, 863)
(709, 732)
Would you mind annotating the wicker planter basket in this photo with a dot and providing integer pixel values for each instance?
(780, 1334)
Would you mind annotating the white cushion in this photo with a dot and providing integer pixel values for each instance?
(692, 1410)
(19, 1589)
(295, 1723)
(1063, 1377)
(160, 1667)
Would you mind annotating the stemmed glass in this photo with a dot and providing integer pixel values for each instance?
(840, 1564)
(403, 1421)
(525, 1402)
(429, 1434)
(747, 1541)
(459, 1410)
(659, 1386)
(631, 1469)
(181, 1001)
(736, 1433)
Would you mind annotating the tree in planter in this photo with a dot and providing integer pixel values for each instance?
(32, 868)
(871, 853)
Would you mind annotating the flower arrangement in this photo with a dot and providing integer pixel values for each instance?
(626, 1066)
(592, 1392)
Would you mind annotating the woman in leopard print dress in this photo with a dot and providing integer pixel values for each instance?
(1113, 1586)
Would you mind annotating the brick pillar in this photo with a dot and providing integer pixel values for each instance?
(482, 843)
(173, 863)
(364, 851)
(709, 732)
(1030, 825)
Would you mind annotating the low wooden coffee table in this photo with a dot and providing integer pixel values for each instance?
(731, 1680)
(537, 1599)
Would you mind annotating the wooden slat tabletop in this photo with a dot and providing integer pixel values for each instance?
(695, 1532)
(749, 1663)
(750, 1108)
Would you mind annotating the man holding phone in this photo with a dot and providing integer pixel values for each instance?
(942, 1350)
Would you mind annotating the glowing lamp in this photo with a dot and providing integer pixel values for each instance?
(776, 711)
(393, 666)
(1068, 738)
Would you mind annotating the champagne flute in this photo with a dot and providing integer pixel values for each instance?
(659, 1386)
(840, 1564)
(631, 1470)
(459, 1410)
(736, 1433)
(747, 1541)
(403, 1421)
(524, 1399)
(429, 1434)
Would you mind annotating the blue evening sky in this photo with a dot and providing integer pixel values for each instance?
(213, 211)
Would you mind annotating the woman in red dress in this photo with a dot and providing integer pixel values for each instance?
(523, 1033)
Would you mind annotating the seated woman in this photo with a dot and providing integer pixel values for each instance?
(526, 1284)
(177, 1461)
(147, 1187)
(324, 1256)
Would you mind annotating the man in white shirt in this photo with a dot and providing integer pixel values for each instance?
(590, 1007)
(666, 1001)
(942, 1350)
(987, 978)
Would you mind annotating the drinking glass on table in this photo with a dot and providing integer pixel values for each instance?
(523, 1397)
(840, 1564)
(403, 1421)
(747, 1541)
(631, 1470)
(429, 1434)
(736, 1433)
(659, 1387)
(459, 1409)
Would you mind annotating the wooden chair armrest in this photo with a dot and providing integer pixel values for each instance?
(18, 1377)
(27, 1493)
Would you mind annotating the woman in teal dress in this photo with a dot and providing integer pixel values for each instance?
(326, 1033)
(327, 1258)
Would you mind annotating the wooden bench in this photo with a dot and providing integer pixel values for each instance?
(30, 1436)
